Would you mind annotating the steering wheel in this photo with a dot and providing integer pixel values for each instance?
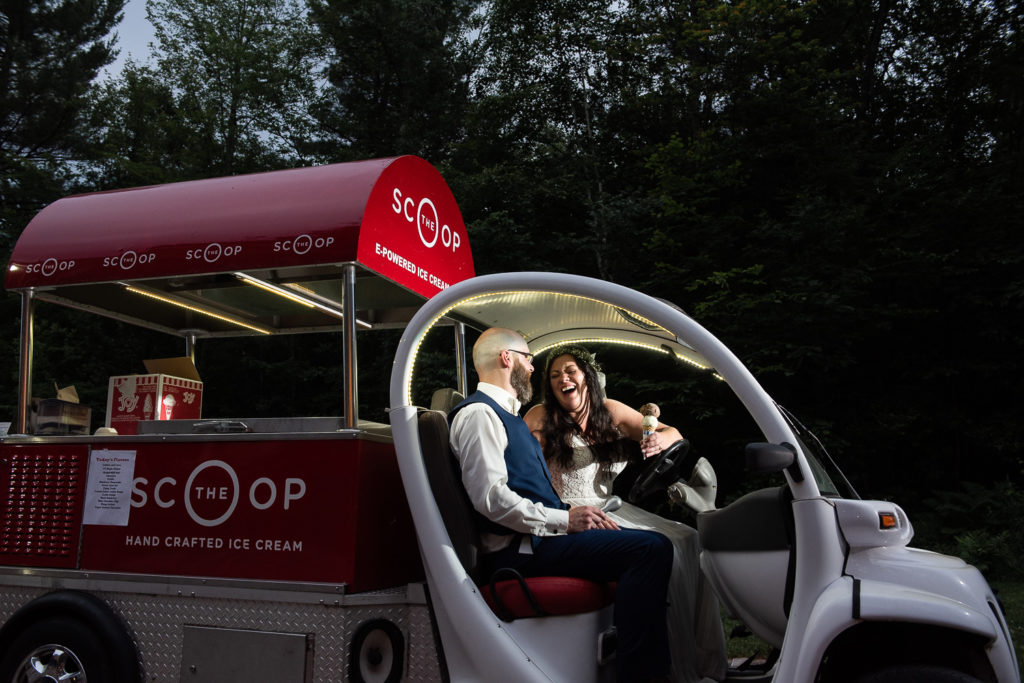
(660, 471)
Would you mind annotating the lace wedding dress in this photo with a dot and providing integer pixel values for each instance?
(694, 623)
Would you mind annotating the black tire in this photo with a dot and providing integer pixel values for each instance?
(377, 653)
(917, 674)
(63, 647)
(76, 627)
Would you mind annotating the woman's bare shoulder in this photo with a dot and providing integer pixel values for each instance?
(534, 417)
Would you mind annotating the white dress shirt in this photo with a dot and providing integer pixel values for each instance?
(479, 440)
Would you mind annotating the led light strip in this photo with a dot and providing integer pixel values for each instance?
(281, 291)
(321, 302)
(462, 302)
(196, 309)
(622, 342)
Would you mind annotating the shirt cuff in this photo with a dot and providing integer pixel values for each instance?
(557, 522)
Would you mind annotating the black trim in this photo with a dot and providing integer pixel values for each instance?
(504, 613)
(856, 598)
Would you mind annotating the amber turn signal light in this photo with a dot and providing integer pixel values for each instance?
(887, 520)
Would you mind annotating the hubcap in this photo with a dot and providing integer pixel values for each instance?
(51, 664)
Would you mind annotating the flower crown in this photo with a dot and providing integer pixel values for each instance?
(577, 352)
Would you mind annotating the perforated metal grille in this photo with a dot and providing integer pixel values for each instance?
(41, 505)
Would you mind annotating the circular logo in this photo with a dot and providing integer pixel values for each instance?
(128, 260)
(430, 221)
(212, 252)
(196, 517)
(302, 244)
(49, 266)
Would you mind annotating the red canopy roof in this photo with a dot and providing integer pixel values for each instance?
(394, 216)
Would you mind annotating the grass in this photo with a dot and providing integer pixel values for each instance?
(742, 647)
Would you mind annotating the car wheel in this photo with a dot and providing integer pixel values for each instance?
(917, 674)
(58, 649)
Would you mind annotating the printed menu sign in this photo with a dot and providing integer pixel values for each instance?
(109, 487)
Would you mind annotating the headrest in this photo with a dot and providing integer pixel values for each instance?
(445, 399)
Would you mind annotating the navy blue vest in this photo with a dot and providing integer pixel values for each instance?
(528, 473)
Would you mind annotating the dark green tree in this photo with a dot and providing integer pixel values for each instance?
(398, 75)
(243, 76)
(136, 135)
(549, 129)
(50, 52)
(846, 190)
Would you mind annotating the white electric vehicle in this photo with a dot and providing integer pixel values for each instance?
(825, 577)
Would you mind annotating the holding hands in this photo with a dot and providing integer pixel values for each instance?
(584, 517)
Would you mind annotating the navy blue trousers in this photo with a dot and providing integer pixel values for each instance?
(640, 561)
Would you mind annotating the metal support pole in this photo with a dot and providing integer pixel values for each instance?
(25, 361)
(348, 342)
(460, 359)
(190, 345)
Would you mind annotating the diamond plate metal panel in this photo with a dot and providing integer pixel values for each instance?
(157, 626)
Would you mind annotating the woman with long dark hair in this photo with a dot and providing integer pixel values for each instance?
(586, 440)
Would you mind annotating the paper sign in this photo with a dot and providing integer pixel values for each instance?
(109, 487)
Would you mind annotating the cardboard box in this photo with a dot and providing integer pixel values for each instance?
(54, 417)
(171, 391)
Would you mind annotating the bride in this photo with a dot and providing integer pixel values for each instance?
(582, 434)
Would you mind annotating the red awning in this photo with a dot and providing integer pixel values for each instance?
(396, 217)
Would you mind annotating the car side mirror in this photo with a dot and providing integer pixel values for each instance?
(765, 458)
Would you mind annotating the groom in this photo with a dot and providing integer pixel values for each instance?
(528, 528)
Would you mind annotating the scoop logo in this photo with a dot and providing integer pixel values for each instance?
(428, 224)
(129, 259)
(50, 266)
(303, 243)
(213, 491)
(212, 252)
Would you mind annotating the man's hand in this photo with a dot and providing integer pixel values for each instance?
(583, 517)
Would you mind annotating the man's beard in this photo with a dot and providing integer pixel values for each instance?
(521, 383)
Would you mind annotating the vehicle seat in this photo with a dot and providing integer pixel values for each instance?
(446, 399)
(510, 595)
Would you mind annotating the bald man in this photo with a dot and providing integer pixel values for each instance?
(528, 528)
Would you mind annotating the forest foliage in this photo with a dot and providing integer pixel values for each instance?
(833, 187)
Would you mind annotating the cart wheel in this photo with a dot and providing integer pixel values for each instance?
(58, 649)
(377, 653)
(918, 674)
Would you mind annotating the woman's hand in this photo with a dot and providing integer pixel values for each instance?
(653, 444)
(584, 517)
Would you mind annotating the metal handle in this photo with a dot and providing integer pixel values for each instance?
(221, 427)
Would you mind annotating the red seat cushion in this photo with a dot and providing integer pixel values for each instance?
(555, 595)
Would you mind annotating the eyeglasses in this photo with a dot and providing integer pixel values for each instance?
(527, 354)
